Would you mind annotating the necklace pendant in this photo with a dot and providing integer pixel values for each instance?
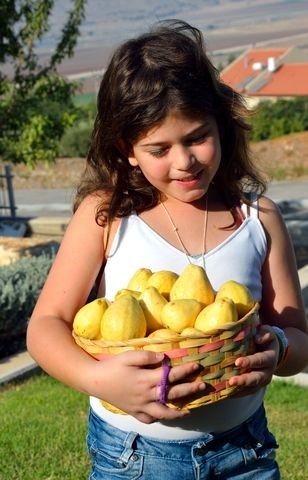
(176, 231)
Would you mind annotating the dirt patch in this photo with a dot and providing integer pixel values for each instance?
(63, 173)
(12, 249)
(285, 158)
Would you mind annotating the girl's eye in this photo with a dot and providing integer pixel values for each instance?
(199, 139)
(159, 152)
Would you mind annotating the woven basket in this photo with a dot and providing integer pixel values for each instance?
(216, 352)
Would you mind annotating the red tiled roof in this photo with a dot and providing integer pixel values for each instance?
(250, 75)
(288, 80)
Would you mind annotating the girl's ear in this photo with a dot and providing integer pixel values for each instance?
(132, 160)
(127, 152)
(131, 157)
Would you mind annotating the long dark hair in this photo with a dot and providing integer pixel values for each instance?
(164, 70)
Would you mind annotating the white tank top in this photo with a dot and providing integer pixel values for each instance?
(240, 257)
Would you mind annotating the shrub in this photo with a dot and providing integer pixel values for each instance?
(76, 141)
(273, 120)
(20, 285)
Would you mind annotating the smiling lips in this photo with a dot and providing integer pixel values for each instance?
(190, 178)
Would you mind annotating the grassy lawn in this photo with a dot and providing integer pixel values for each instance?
(43, 429)
(287, 408)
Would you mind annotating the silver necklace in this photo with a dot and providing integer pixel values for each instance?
(180, 241)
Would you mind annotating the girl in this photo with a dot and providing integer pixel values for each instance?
(170, 180)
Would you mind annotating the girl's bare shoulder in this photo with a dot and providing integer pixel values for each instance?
(94, 199)
(269, 210)
(272, 220)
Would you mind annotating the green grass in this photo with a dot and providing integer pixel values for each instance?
(287, 409)
(43, 430)
(284, 172)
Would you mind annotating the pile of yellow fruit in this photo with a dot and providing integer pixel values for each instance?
(161, 304)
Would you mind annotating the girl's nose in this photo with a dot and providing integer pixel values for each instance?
(183, 158)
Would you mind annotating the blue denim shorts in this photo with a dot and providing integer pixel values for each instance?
(246, 452)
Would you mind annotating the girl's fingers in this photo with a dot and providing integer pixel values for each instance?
(142, 358)
(183, 372)
(147, 359)
(183, 390)
(261, 365)
(160, 384)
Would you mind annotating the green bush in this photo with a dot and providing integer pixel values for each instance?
(76, 141)
(20, 285)
(273, 120)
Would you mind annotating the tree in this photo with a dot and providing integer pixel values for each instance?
(36, 103)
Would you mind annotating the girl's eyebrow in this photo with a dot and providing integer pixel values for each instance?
(199, 128)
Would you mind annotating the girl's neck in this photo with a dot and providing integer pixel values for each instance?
(178, 235)
(177, 204)
(189, 221)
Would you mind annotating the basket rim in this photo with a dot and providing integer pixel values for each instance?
(250, 317)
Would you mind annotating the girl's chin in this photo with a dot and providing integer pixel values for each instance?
(192, 197)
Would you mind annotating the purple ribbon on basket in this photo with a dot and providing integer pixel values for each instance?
(164, 380)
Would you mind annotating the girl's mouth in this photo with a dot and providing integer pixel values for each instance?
(190, 178)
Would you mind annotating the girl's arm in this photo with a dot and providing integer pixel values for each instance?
(49, 335)
(281, 306)
(282, 303)
(124, 380)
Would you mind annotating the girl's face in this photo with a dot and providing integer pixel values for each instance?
(180, 157)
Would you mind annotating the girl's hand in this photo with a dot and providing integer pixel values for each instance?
(131, 381)
(261, 365)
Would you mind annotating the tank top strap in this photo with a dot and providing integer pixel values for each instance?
(251, 210)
